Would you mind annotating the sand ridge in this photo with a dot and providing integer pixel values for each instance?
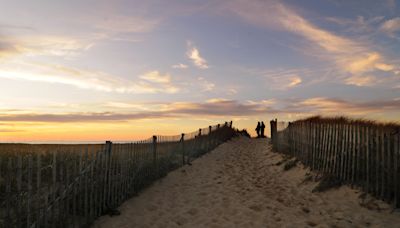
(239, 185)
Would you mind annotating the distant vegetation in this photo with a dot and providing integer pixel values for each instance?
(348, 120)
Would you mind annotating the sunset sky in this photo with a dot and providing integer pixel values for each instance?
(98, 70)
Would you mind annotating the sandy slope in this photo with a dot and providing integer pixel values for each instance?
(239, 185)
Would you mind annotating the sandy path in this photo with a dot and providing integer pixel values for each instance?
(239, 185)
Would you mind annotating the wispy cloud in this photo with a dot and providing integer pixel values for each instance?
(205, 85)
(126, 24)
(164, 82)
(391, 26)
(232, 91)
(9, 130)
(280, 79)
(294, 81)
(194, 54)
(180, 66)
(155, 76)
(42, 46)
(216, 107)
(7, 50)
(210, 108)
(323, 105)
(364, 63)
(361, 80)
(349, 56)
(360, 24)
(151, 82)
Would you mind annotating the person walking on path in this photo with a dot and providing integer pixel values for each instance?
(258, 128)
(262, 128)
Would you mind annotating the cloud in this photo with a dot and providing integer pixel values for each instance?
(7, 50)
(15, 27)
(205, 85)
(9, 130)
(364, 63)
(155, 76)
(357, 25)
(232, 91)
(216, 107)
(126, 24)
(280, 16)
(17, 63)
(361, 80)
(210, 108)
(180, 66)
(33, 46)
(194, 55)
(350, 57)
(50, 46)
(162, 81)
(294, 81)
(281, 79)
(332, 106)
(391, 26)
(384, 67)
(151, 82)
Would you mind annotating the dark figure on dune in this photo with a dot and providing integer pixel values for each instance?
(258, 128)
(262, 129)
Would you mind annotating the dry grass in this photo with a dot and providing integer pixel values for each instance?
(395, 126)
(290, 164)
(328, 182)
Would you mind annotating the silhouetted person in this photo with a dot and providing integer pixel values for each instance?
(258, 128)
(262, 128)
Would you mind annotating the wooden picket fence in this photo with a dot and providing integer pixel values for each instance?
(72, 185)
(360, 153)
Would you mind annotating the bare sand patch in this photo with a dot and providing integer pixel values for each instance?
(239, 184)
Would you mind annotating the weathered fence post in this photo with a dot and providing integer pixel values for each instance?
(209, 139)
(29, 193)
(396, 165)
(38, 180)
(183, 148)
(375, 160)
(8, 192)
(367, 159)
(155, 155)
(200, 143)
(273, 124)
(19, 191)
(54, 188)
(107, 186)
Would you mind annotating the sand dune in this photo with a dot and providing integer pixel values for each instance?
(239, 185)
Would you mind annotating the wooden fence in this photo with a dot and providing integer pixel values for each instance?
(359, 153)
(72, 185)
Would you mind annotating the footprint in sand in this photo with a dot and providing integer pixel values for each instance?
(179, 220)
(305, 210)
(257, 208)
(193, 211)
(151, 207)
(312, 223)
(202, 193)
(278, 219)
